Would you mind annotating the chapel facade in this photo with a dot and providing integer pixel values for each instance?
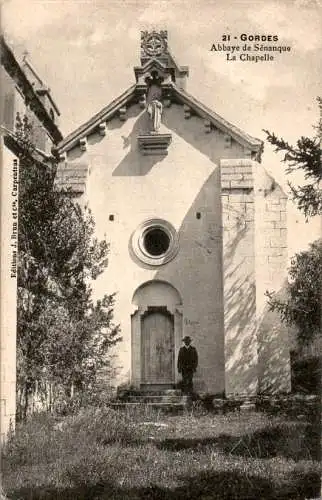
(197, 228)
(197, 231)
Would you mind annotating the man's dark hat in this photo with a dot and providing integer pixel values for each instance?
(187, 338)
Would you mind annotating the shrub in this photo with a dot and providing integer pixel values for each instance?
(306, 375)
(43, 437)
(33, 442)
(102, 425)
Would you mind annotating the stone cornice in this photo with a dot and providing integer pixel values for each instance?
(148, 66)
(102, 116)
(154, 144)
(219, 122)
(42, 89)
(134, 95)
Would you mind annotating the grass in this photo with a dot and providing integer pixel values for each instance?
(143, 454)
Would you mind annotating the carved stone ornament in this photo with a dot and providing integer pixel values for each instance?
(154, 110)
(154, 44)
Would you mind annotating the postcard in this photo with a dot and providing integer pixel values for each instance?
(160, 248)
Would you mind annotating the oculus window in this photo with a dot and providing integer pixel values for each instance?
(155, 242)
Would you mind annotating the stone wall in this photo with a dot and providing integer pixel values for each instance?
(271, 275)
(125, 188)
(231, 222)
(237, 195)
(257, 346)
(72, 178)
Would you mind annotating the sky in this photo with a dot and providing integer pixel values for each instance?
(85, 52)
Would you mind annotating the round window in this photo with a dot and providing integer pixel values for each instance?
(155, 242)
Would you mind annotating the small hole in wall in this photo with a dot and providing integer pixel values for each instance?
(111, 217)
(198, 215)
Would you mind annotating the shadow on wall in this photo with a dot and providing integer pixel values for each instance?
(273, 352)
(199, 257)
(135, 163)
(284, 365)
(240, 307)
(240, 348)
(255, 351)
(197, 273)
(197, 269)
(191, 131)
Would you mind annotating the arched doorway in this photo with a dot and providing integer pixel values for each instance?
(157, 346)
(156, 335)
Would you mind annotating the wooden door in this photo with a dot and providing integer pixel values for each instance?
(157, 348)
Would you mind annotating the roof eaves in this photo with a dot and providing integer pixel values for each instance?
(103, 115)
(32, 69)
(14, 70)
(109, 111)
(218, 121)
(42, 87)
(47, 91)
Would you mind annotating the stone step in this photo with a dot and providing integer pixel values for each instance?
(157, 399)
(153, 395)
(150, 393)
(169, 392)
(164, 399)
(170, 407)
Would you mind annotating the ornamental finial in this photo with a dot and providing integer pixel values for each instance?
(153, 44)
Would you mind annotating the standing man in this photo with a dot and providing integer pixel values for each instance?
(187, 364)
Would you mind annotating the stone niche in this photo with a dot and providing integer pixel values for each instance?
(153, 142)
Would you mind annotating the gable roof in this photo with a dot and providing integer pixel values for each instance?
(151, 63)
(14, 70)
(102, 116)
(40, 88)
(154, 62)
(180, 96)
(225, 126)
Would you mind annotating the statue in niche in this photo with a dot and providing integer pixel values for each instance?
(154, 110)
(154, 106)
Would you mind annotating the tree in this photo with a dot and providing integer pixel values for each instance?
(302, 306)
(306, 157)
(63, 337)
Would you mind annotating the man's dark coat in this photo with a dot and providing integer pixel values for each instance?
(187, 359)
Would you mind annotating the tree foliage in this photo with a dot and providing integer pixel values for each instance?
(302, 308)
(63, 337)
(306, 157)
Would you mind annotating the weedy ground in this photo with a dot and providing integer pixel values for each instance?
(102, 453)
